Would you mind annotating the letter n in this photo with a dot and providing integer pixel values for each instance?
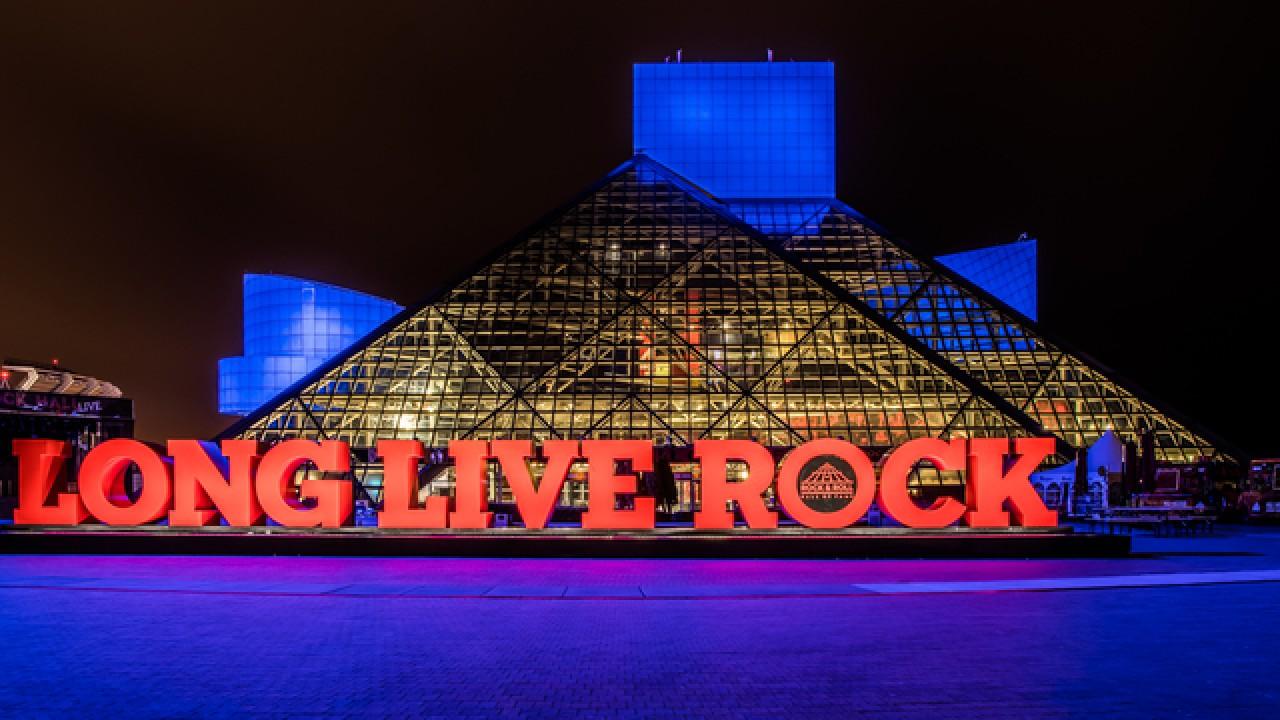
(208, 483)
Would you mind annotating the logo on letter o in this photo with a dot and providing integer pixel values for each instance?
(813, 484)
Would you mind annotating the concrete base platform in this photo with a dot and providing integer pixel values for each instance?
(660, 543)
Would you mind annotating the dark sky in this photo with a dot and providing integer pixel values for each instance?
(150, 154)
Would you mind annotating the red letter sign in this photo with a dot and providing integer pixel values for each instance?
(470, 489)
(102, 483)
(989, 486)
(208, 483)
(826, 497)
(897, 502)
(400, 489)
(535, 504)
(275, 480)
(717, 490)
(604, 484)
(39, 462)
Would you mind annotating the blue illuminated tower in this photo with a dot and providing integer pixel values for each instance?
(291, 327)
(760, 137)
(741, 130)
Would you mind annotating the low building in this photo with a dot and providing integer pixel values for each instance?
(44, 400)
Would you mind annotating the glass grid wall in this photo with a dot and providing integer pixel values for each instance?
(1066, 396)
(640, 313)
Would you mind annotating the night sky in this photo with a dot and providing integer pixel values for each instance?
(151, 154)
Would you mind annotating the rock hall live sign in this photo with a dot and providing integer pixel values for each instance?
(823, 484)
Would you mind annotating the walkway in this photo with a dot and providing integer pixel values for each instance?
(1187, 631)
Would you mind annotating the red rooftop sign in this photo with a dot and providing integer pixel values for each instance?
(822, 484)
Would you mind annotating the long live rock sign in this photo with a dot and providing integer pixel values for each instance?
(200, 485)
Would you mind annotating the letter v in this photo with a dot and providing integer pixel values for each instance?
(535, 503)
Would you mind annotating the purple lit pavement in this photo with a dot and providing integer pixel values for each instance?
(1189, 629)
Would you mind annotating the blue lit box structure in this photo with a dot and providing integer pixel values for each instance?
(1006, 271)
(291, 327)
(740, 130)
(760, 138)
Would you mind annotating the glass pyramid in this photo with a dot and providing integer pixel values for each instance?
(647, 310)
(1065, 393)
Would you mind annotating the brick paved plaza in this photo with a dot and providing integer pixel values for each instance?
(1188, 630)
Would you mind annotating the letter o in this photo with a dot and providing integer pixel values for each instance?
(102, 476)
(789, 480)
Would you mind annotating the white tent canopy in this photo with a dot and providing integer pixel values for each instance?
(1107, 452)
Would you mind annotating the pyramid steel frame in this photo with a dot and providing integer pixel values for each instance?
(1067, 393)
(647, 309)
